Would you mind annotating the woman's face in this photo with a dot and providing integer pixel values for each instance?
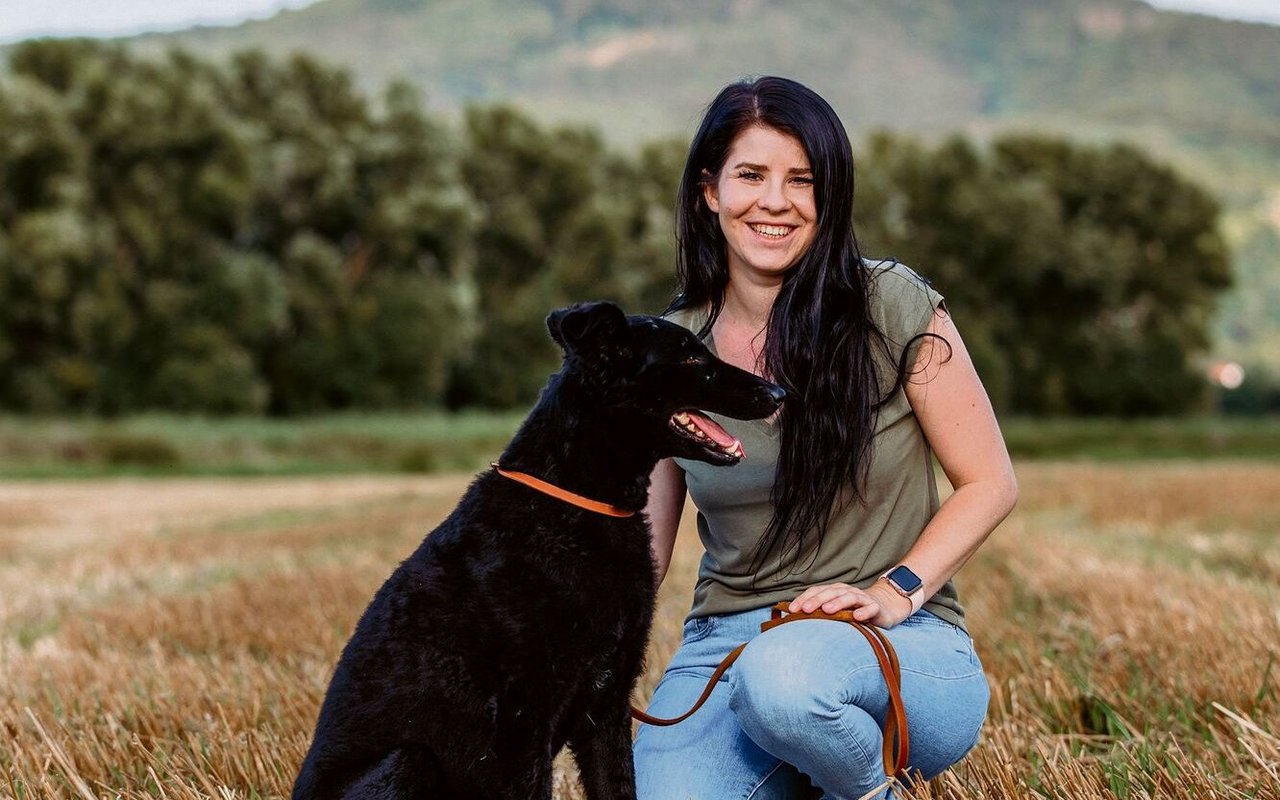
(763, 196)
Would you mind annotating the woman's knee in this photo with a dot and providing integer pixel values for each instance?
(785, 680)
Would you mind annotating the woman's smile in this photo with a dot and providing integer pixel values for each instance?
(774, 232)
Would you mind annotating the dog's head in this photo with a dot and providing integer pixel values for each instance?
(658, 379)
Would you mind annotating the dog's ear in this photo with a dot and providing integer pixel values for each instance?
(586, 327)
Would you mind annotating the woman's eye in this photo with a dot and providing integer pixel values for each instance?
(802, 181)
(748, 175)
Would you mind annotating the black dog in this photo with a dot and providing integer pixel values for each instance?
(520, 624)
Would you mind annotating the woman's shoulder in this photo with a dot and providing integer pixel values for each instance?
(892, 276)
(690, 317)
(901, 300)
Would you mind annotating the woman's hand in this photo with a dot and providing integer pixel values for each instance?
(878, 604)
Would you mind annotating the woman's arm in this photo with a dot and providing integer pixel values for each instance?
(956, 416)
(665, 505)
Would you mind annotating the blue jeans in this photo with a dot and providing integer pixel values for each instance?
(801, 712)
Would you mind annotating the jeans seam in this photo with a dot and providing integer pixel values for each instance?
(763, 781)
(976, 736)
(857, 742)
(696, 671)
(848, 676)
(933, 677)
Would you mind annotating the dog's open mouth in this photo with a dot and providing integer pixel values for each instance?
(707, 433)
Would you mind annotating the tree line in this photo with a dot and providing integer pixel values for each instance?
(258, 236)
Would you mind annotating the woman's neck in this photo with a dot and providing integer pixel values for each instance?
(748, 300)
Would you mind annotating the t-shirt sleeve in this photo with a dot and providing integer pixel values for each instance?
(902, 304)
(687, 318)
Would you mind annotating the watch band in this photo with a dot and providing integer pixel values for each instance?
(917, 600)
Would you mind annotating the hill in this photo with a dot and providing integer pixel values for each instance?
(1196, 91)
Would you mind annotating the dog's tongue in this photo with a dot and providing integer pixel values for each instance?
(718, 435)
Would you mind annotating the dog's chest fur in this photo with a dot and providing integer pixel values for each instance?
(524, 579)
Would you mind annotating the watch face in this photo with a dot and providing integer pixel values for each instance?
(906, 580)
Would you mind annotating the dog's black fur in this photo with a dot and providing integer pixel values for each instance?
(520, 623)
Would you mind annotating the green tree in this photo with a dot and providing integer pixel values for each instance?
(365, 219)
(560, 220)
(179, 235)
(128, 291)
(1084, 277)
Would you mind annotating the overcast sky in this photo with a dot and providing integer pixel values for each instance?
(20, 19)
(1253, 10)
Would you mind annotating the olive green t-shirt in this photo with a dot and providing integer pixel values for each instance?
(864, 540)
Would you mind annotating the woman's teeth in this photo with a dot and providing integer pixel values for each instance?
(772, 231)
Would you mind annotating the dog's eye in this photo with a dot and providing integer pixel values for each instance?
(694, 360)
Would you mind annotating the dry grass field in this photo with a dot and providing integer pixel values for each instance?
(173, 638)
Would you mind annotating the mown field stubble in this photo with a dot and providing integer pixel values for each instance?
(173, 638)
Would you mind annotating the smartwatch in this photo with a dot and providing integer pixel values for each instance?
(908, 584)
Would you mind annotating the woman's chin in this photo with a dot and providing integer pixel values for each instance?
(766, 268)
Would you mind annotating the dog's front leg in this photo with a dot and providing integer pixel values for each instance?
(602, 748)
(535, 784)
(520, 772)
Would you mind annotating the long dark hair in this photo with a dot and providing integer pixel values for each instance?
(820, 336)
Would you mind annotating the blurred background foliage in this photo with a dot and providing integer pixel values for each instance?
(258, 236)
(1193, 91)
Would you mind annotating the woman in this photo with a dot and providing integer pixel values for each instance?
(837, 490)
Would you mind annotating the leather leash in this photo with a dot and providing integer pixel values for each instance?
(562, 494)
(897, 739)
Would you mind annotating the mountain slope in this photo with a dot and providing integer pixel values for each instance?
(639, 69)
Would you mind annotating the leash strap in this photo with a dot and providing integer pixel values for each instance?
(562, 494)
(897, 739)
(711, 685)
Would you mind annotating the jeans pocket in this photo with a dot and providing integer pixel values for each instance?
(963, 641)
(696, 629)
(941, 649)
(926, 617)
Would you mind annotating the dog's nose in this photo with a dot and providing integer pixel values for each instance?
(777, 394)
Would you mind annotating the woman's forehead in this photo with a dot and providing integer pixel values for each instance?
(759, 145)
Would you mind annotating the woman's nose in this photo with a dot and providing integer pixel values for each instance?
(775, 197)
